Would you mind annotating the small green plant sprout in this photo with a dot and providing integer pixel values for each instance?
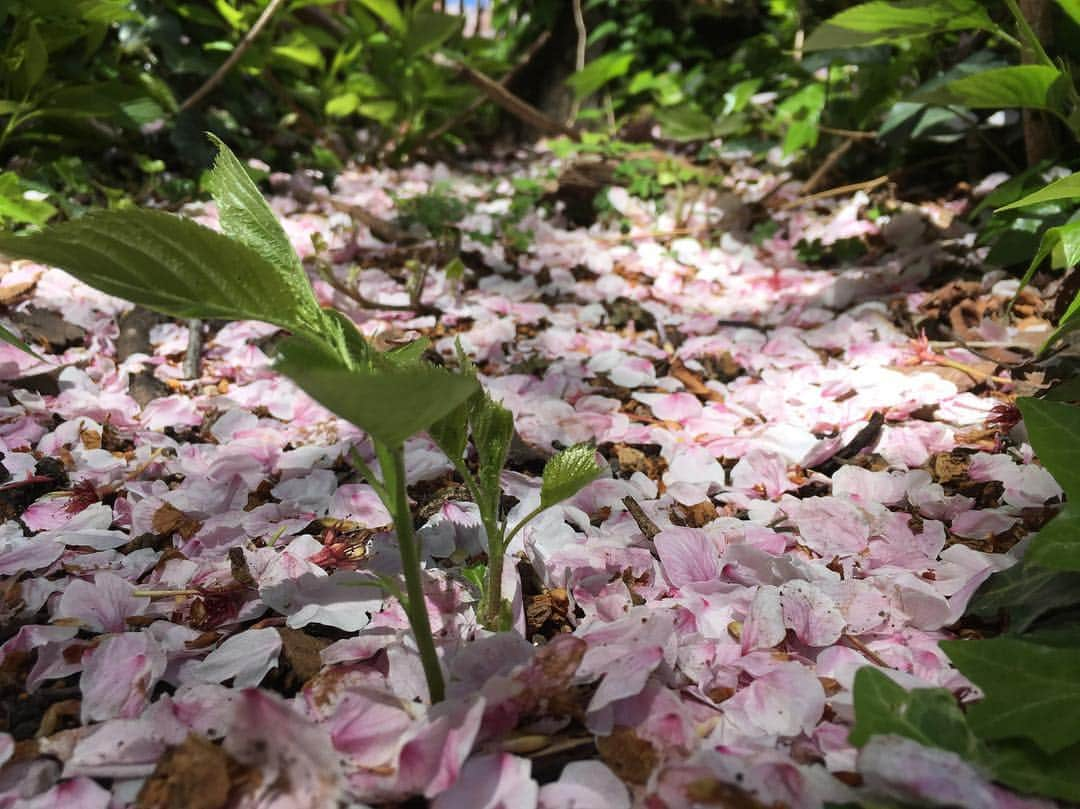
(491, 427)
(251, 272)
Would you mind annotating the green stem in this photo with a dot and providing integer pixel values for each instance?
(526, 519)
(1029, 37)
(415, 606)
(491, 606)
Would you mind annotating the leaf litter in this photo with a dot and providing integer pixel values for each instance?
(795, 489)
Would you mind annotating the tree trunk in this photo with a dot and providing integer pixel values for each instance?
(1040, 141)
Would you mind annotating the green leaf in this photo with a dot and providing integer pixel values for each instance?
(15, 207)
(429, 29)
(388, 12)
(451, 432)
(567, 473)
(301, 50)
(1063, 241)
(1072, 8)
(170, 264)
(1067, 390)
(1025, 592)
(1027, 768)
(1063, 188)
(10, 338)
(1054, 430)
(389, 405)
(598, 73)
(879, 22)
(1027, 86)
(685, 122)
(341, 105)
(1057, 545)
(930, 716)
(246, 217)
(492, 430)
(35, 58)
(1031, 691)
(1069, 321)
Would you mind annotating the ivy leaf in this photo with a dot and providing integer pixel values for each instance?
(1031, 690)
(929, 716)
(390, 404)
(567, 473)
(170, 264)
(1025, 592)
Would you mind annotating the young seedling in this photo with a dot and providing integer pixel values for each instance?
(492, 427)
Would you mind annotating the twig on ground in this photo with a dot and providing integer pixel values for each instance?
(865, 185)
(194, 349)
(644, 522)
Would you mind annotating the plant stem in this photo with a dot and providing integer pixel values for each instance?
(489, 517)
(415, 606)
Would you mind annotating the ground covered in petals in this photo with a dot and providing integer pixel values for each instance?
(811, 466)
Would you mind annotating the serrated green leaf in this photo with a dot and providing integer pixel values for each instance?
(1057, 545)
(1025, 767)
(598, 73)
(170, 264)
(492, 430)
(1054, 430)
(246, 217)
(1063, 188)
(567, 473)
(1024, 593)
(389, 404)
(1031, 691)
(1027, 86)
(929, 716)
(879, 22)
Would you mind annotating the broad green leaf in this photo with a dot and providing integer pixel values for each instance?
(1024, 593)
(388, 12)
(1063, 241)
(1028, 86)
(302, 50)
(170, 264)
(567, 473)
(1063, 188)
(1054, 430)
(1031, 691)
(598, 73)
(1057, 545)
(929, 716)
(1072, 8)
(389, 405)
(451, 432)
(1025, 767)
(879, 22)
(428, 30)
(492, 430)
(35, 58)
(1065, 391)
(408, 354)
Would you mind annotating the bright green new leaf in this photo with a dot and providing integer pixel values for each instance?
(170, 264)
(387, 11)
(1064, 188)
(389, 405)
(1025, 767)
(598, 73)
(341, 105)
(246, 217)
(1025, 592)
(1054, 430)
(1072, 8)
(1057, 545)
(1062, 241)
(1031, 691)
(929, 716)
(492, 430)
(878, 22)
(1028, 86)
(567, 473)
(15, 207)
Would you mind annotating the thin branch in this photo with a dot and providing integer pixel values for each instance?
(579, 57)
(234, 57)
(865, 185)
